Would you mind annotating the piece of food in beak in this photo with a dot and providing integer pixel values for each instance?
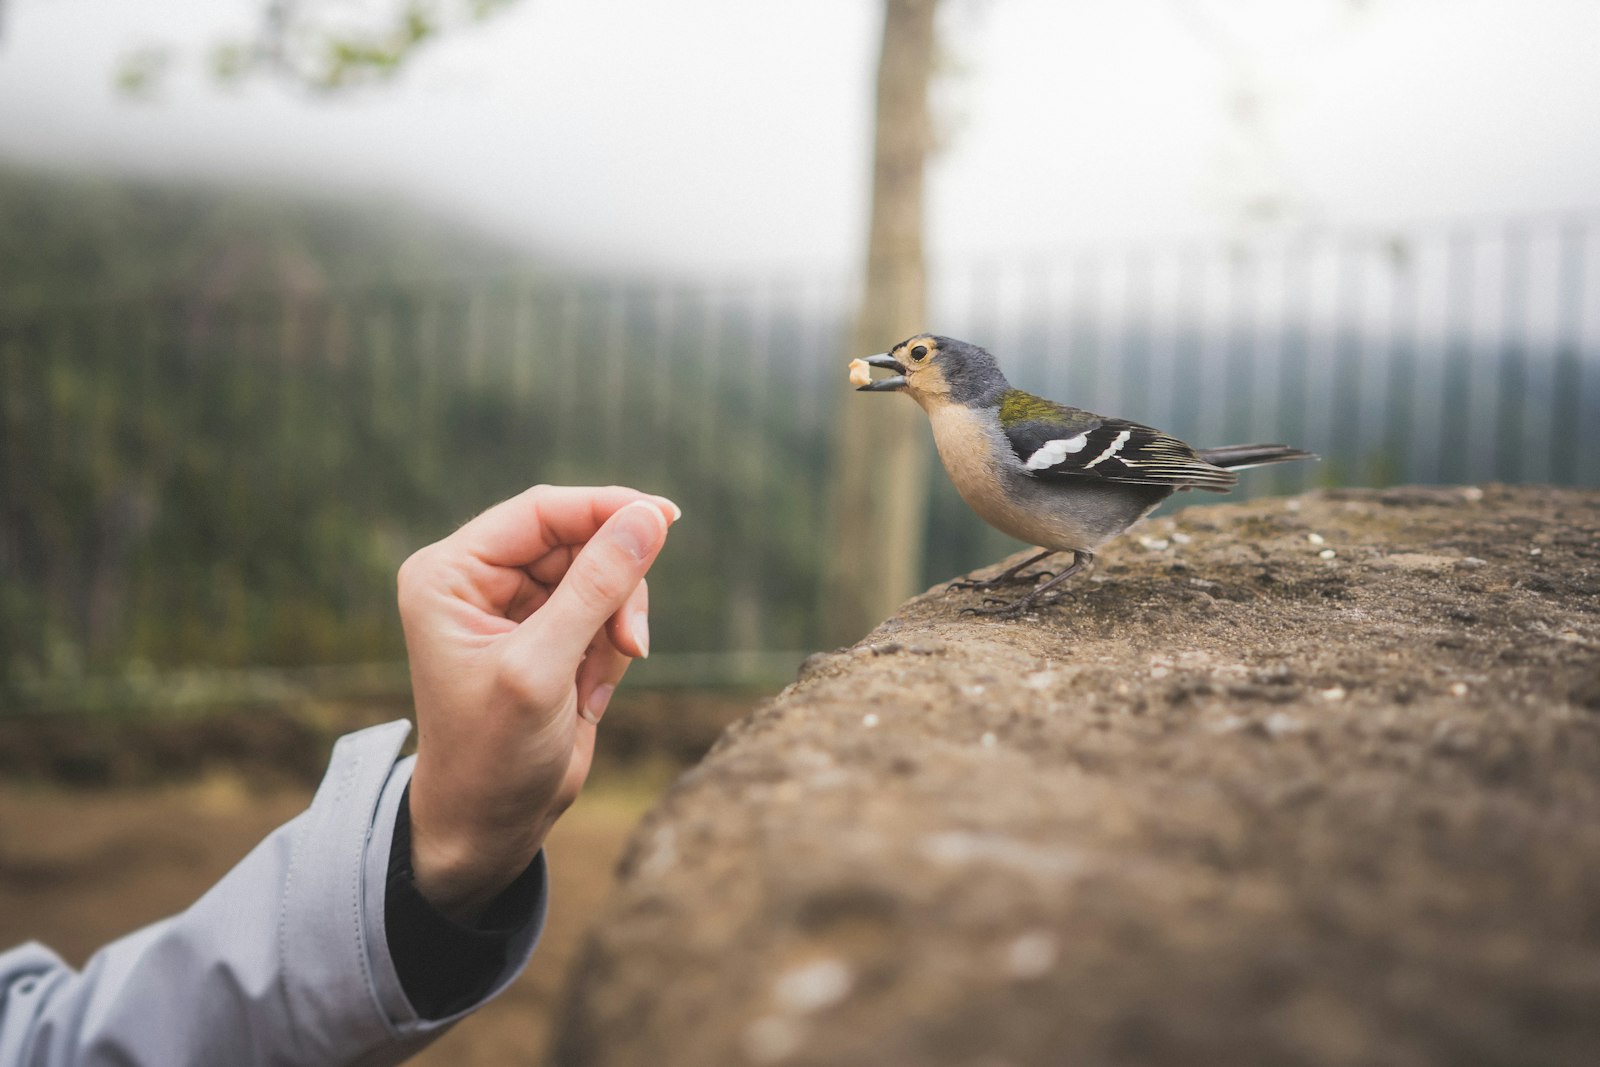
(858, 374)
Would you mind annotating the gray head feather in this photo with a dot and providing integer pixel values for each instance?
(973, 374)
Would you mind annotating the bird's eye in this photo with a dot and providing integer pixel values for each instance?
(919, 353)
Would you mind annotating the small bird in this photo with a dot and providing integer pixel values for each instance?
(1060, 478)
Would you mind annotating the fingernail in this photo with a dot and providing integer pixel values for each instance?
(639, 623)
(596, 706)
(677, 512)
(638, 528)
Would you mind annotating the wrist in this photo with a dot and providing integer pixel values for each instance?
(459, 872)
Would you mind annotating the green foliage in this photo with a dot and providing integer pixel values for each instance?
(139, 73)
(315, 45)
(225, 465)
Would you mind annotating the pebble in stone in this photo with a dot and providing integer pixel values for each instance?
(1458, 689)
(870, 719)
(1316, 538)
(813, 986)
(988, 740)
(1031, 955)
(1280, 724)
(1335, 693)
(1327, 553)
(663, 853)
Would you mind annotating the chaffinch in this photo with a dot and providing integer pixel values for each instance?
(1058, 477)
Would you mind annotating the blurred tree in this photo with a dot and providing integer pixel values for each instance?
(317, 44)
(881, 461)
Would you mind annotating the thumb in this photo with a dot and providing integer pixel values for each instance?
(599, 582)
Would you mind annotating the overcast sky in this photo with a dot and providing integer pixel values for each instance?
(718, 134)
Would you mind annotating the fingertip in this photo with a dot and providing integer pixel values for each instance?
(639, 539)
(625, 634)
(672, 511)
(639, 631)
(629, 628)
(595, 706)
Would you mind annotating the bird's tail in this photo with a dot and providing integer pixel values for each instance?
(1238, 457)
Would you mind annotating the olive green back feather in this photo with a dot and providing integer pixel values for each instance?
(1017, 406)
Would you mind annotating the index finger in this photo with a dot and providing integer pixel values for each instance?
(520, 531)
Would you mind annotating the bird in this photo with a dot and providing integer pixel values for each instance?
(1057, 477)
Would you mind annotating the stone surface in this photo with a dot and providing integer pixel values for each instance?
(1310, 781)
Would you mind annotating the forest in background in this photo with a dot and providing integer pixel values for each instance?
(225, 419)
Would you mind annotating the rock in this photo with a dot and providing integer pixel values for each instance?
(1350, 814)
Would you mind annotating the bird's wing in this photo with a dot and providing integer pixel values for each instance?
(1052, 441)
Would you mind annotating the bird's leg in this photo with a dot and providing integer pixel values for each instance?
(1003, 577)
(1080, 560)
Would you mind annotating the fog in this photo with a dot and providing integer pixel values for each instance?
(717, 135)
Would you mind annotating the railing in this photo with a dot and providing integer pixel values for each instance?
(232, 482)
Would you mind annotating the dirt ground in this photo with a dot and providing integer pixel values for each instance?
(176, 804)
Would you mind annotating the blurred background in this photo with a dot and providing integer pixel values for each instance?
(289, 288)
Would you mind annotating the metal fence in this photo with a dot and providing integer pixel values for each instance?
(233, 481)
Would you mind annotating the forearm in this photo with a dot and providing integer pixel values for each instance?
(285, 961)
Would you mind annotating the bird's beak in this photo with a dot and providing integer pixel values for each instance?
(884, 385)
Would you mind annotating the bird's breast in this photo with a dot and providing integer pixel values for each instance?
(980, 464)
(1082, 514)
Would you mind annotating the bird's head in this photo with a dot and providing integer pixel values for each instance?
(938, 370)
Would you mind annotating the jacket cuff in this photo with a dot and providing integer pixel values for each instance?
(445, 966)
(397, 1010)
(341, 900)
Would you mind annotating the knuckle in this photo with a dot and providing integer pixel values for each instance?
(601, 583)
(413, 576)
(523, 687)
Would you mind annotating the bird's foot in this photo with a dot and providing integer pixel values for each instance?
(1006, 577)
(961, 585)
(994, 607)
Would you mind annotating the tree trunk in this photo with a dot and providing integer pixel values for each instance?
(881, 457)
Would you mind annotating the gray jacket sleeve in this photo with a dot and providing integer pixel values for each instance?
(284, 961)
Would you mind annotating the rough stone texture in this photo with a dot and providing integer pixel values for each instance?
(1232, 802)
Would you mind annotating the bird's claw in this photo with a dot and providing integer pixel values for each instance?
(963, 585)
(1011, 609)
(1001, 610)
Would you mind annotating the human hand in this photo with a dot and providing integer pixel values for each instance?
(518, 626)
